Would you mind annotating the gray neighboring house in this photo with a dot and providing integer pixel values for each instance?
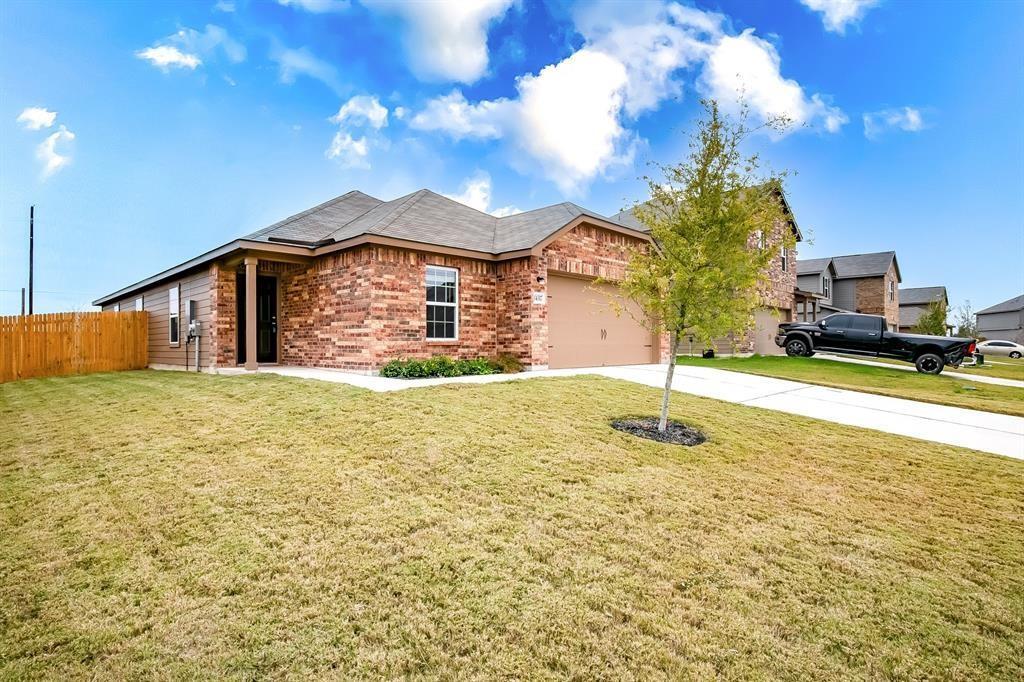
(815, 282)
(1003, 321)
(914, 302)
(862, 283)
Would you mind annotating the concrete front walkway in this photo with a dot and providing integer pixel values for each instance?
(950, 374)
(985, 431)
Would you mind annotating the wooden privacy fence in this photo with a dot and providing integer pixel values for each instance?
(71, 343)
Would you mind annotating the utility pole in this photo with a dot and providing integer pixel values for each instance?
(31, 253)
(23, 301)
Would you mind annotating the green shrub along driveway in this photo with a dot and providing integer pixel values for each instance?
(160, 524)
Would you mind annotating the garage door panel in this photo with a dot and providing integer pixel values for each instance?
(584, 331)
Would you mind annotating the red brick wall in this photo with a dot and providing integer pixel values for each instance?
(325, 310)
(398, 311)
(522, 324)
(223, 301)
(361, 308)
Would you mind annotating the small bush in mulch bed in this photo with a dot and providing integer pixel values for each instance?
(647, 427)
(444, 366)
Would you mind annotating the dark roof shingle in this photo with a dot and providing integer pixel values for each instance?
(1007, 306)
(922, 295)
(425, 217)
(864, 264)
(811, 266)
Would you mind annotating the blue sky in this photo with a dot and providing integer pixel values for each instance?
(146, 133)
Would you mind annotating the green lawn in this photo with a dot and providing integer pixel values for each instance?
(942, 390)
(172, 525)
(995, 366)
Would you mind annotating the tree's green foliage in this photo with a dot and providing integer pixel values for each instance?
(933, 321)
(717, 221)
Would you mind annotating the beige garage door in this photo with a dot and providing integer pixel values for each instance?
(766, 324)
(583, 330)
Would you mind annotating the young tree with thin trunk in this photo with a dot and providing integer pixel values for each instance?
(933, 320)
(966, 321)
(717, 221)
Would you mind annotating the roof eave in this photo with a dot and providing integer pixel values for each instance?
(209, 256)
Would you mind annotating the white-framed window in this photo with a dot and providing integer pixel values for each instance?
(442, 303)
(140, 304)
(117, 307)
(826, 287)
(762, 240)
(173, 310)
(892, 290)
(785, 259)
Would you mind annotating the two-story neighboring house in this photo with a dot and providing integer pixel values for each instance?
(914, 302)
(861, 283)
(1003, 321)
(777, 296)
(814, 287)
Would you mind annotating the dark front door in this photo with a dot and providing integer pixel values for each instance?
(266, 319)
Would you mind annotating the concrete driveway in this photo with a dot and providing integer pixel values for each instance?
(996, 433)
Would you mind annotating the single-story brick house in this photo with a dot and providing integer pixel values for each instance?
(356, 282)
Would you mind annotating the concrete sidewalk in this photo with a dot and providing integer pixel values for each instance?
(949, 374)
(996, 433)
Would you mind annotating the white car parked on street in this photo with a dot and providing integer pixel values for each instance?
(1014, 350)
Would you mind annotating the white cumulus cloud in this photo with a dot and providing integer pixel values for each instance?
(878, 123)
(166, 57)
(476, 193)
(566, 118)
(187, 48)
(750, 67)
(36, 118)
(653, 42)
(572, 117)
(348, 151)
(301, 62)
(47, 152)
(362, 109)
(445, 40)
(360, 112)
(836, 15)
(454, 115)
(317, 6)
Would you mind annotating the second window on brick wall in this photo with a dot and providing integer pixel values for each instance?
(442, 303)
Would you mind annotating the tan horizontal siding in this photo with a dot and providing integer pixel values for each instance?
(193, 286)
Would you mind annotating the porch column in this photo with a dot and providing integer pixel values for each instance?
(250, 312)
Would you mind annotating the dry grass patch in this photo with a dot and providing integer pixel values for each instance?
(173, 525)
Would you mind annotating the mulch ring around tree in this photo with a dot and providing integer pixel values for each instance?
(647, 427)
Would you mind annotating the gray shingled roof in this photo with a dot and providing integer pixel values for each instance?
(921, 296)
(425, 217)
(909, 315)
(811, 266)
(1007, 306)
(317, 223)
(864, 264)
(626, 217)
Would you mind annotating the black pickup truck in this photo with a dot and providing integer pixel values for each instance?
(867, 335)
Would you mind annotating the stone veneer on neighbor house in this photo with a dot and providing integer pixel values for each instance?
(360, 308)
(776, 295)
